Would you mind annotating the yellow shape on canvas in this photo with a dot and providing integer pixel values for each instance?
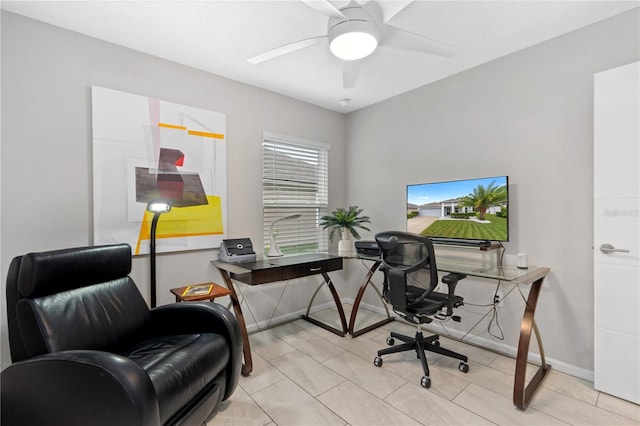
(183, 222)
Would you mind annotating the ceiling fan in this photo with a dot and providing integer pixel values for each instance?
(357, 30)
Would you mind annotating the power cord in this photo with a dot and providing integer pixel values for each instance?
(494, 311)
(496, 301)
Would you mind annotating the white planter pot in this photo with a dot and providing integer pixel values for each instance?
(346, 245)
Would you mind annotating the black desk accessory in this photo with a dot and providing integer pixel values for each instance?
(237, 250)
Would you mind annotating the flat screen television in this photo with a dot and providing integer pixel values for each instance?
(469, 210)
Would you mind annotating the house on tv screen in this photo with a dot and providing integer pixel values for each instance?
(446, 207)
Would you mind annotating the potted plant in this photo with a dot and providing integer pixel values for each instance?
(343, 220)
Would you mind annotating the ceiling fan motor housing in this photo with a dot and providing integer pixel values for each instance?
(358, 28)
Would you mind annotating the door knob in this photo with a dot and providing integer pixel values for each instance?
(608, 249)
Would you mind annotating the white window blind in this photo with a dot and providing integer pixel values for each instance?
(294, 181)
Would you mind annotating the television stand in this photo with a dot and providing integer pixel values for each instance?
(482, 245)
(462, 249)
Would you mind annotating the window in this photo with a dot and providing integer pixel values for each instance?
(294, 181)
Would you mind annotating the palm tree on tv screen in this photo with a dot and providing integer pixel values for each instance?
(482, 198)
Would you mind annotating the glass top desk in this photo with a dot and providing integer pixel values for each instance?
(532, 276)
(284, 268)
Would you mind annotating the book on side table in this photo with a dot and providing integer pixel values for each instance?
(195, 292)
(198, 290)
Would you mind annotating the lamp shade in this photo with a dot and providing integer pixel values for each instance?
(159, 206)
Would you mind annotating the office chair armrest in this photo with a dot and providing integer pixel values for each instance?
(451, 280)
(78, 388)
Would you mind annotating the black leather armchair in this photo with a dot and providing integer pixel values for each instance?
(87, 350)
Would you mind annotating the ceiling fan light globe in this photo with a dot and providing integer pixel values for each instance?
(351, 46)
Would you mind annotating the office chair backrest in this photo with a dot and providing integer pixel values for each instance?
(409, 265)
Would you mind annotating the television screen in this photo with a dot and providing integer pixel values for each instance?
(470, 209)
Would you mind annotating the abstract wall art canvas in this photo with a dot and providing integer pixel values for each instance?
(144, 149)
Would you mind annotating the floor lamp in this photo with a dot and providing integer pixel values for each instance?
(157, 207)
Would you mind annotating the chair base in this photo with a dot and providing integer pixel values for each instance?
(420, 345)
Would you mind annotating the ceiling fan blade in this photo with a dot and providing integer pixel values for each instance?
(324, 7)
(350, 73)
(386, 10)
(398, 38)
(284, 50)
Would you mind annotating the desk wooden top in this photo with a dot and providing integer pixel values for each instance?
(281, 268)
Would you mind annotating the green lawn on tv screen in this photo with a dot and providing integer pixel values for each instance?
(468, 229)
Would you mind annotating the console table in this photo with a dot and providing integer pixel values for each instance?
(281, 269)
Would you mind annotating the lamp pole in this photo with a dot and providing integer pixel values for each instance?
(157, 207)
(152, 257)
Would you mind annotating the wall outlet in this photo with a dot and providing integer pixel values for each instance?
(498, 298)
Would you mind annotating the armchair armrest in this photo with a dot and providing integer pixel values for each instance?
(77, 388)
(203, 317)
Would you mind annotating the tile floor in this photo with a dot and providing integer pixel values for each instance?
(304, 375)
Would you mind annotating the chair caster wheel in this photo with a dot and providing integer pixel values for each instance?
(425, 382)
(390, 341)
(377, 361)
(436, 343)
(464, 367)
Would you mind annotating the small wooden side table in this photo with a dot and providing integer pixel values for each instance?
(216, 291)
(220, 291)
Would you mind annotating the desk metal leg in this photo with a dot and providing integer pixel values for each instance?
(356, 305)
(247, 367)
(336, 299)
(523, 393)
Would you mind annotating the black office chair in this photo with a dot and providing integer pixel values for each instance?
(410, 278)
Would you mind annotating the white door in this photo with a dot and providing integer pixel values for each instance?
(617, 232)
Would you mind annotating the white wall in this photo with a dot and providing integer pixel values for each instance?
(528, 115)
(47, 73)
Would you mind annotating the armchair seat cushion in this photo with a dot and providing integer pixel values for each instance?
(180, 366)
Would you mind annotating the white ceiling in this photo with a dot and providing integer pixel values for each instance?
(218, 37)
